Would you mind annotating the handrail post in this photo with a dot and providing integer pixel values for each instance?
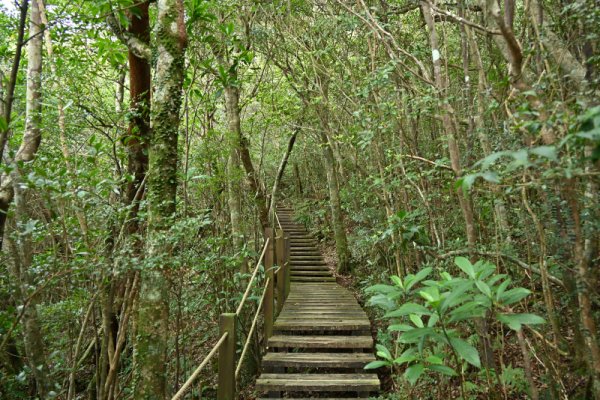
(286, 262)
(268, 306)
(280, 253)
(227, 385)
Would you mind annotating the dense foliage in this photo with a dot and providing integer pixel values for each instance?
(447, 155)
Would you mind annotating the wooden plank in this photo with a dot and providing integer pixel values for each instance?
(318, 382)
(317, 360)
(321, 342)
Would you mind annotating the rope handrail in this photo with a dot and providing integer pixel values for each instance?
(251, 331)
(195, 374)
(247, 292)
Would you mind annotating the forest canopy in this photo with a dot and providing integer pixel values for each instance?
(445, 156)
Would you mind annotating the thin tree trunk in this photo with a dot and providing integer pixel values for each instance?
(281, 169)
(22, 257)
(260, 199)
(10, 93)
(339, 231)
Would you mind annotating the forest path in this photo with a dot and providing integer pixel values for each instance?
(321, 339)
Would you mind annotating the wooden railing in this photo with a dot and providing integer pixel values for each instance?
(275, 258)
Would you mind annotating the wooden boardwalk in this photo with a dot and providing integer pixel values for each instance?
(321, 339)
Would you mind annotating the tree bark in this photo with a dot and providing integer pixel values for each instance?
(337, 219)
(153, 309)
(281, 170)
(232, 98)
(21, 251)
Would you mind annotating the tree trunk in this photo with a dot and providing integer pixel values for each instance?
(341, 242)
(21, 251)
(232, 98)
(281, 170)
(153, 309)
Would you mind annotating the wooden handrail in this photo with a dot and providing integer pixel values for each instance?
(228, 370)
(247, 292)
(195, 374)
(250, 332)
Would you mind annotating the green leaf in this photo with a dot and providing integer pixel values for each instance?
(382, 301)
(397, 281)
(514, 321)
(422, 274)
(514, 295)
(385, 289)
(414, 335)
(434, 360)
(483, 288)
(377, 364)
(466, 351)
(406, 309)
(443, 369)
(399, 328)
(456, 295)
(416, 320)
(414, 372)
(383, 352)
(502, 288)
(465, 265)
(548, 152)
(407, 356)
(3, 124)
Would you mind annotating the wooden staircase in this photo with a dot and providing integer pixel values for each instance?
(321, 339)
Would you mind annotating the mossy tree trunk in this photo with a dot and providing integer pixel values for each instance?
(153, 305)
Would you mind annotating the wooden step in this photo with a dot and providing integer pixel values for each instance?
(312, 279)
(321, 342)
(329, 324)
(307, 262)
(306, 257)
(309, 272)
(317, 360)
(318, 382)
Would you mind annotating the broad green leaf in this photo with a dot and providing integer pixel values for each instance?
(385, 289)
(548, 152)
(434, 360)
(406, 309)
(407, 356)
(443, 369)
(465, 265)
(466, 351)
(515, 321)
(383, 352)
(382, 301)
(431, 294)
(422, 274)
(414, 335)
(514, 295)
(416, 320)
(483, 288)
(433, 319)
(399, 328)
(502, 288)
(456, 295)
(3, 124)
(377, 364)
(397, 281)
(413, 373)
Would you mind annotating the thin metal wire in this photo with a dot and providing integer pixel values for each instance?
(262, 255)
(251, 332)
(195, 374)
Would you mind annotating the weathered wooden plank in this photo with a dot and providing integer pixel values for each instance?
(318, 360)
(318, 382)
(321, 342)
